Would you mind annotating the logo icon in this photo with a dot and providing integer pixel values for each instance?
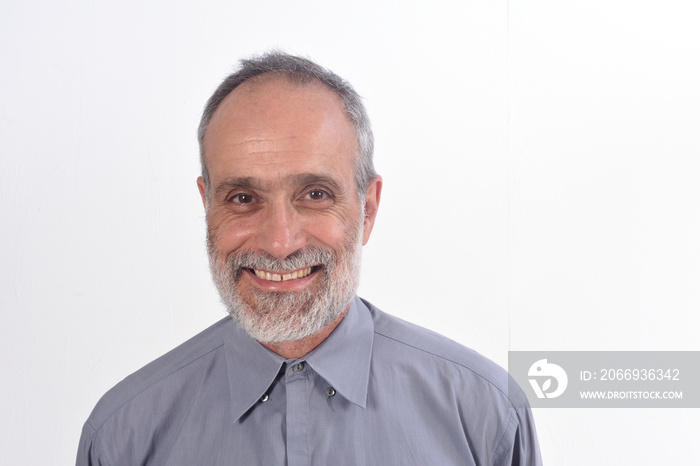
(542, 370)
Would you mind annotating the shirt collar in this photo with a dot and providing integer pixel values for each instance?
(251, 369)
(343, 360)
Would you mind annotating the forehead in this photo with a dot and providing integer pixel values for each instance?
(274, 123)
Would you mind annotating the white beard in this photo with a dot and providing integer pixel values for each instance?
(274, 317)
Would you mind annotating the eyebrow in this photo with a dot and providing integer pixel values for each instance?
(292, 180)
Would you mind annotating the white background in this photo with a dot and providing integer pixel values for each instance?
(540, 161)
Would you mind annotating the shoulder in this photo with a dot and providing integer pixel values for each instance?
(174, 367)
(463, 389)
(401, 340)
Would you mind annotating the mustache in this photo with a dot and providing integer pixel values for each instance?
(309, 256)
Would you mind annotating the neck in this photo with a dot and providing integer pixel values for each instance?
(298, 348)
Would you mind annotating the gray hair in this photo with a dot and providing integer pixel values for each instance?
(299, 71)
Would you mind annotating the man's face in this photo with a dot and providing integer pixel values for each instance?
(285, 222)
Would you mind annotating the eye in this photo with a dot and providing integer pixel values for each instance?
(317, 194)
(241, 198)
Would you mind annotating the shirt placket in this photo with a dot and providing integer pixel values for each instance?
(297, 388)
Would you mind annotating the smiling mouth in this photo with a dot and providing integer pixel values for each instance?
(276, 277)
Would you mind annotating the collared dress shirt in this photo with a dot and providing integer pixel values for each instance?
(377, 391)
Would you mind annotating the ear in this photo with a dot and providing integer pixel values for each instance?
(202, 191)
(372, 198)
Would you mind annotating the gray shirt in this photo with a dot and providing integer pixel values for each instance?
(378, 390)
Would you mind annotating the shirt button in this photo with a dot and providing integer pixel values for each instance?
(298, 367)
(330, 391)
(264, 398)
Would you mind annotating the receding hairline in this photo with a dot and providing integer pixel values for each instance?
(298, 81)
(294, 79)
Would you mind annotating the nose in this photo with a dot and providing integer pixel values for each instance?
(281, 231)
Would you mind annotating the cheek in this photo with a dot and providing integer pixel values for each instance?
(226, 235)
(335, 231)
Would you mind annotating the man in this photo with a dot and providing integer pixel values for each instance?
(303, 372)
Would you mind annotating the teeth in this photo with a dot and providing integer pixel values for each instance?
(274, 277)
